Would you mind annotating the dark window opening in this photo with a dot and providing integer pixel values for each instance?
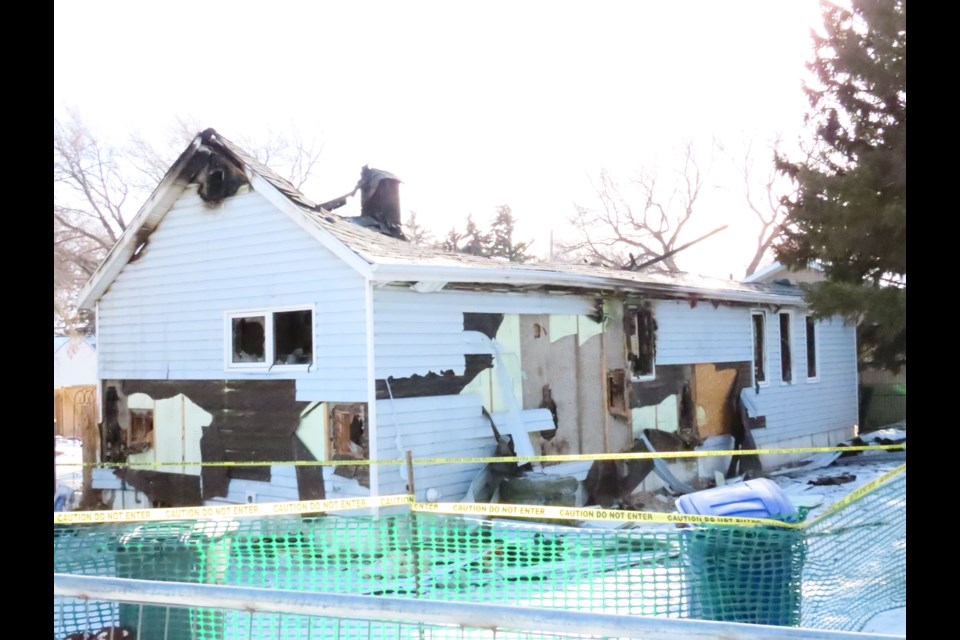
(617, 393)
(786, 362)
(272, 338)
(811, 347)
(293, 337)
(759, 349)
(249, 339)
(641, 332)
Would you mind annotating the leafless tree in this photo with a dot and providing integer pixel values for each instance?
(640, 220)
(98, 187)
(763, 189)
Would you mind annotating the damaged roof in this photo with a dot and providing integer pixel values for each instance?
(382, 259)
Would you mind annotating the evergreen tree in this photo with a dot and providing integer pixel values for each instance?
(416, 233)
(849, 214)
(451, 242)
(501, 237)
(476, 242)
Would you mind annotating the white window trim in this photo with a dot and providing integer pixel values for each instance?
(793, 350)
(647, 377)
(269, 356)
(766, 349)
(816, 348)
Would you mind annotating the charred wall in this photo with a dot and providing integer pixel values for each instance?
(252, 421)
(446, 383)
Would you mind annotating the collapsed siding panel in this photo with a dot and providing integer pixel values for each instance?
(163, 317)
(433, 427)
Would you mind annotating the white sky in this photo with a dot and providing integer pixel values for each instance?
(471, 104)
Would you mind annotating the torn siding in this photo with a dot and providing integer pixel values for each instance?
(217, 421)
(164, 315)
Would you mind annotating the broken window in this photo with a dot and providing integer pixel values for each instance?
(786, 360)
(278, 337)
(249, 343)
(640, 328)
(293, 337)
(759, 347)
(812, 370)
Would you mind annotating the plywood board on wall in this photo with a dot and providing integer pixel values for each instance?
(711, 391)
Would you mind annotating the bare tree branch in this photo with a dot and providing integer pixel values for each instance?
(643, 220)
(767, 206)
(98, 188)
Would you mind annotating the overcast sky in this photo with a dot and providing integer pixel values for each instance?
(471, 104)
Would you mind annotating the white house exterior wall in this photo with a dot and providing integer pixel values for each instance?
(163, 316)
(803, 408)
(416, 333)
(701, 334)
(706, 334)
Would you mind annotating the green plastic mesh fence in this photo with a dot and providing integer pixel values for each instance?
(833, 574)
(856, 560)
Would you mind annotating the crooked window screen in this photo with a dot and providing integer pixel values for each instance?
(293, 337)
(812, 365)
(759, 348)
(249, 339)
(641, 331)
(786, 357)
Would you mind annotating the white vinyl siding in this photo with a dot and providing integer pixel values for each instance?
(701, 334)
(163, 317)
(705, 334)
(433, 427)
(417, 333)
(808, 409)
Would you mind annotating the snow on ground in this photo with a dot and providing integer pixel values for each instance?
(893, 622)
(866, 466)
(69, 472)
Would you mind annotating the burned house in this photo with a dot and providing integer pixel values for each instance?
(240, 322)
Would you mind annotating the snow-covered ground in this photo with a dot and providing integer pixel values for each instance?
(893, 622)
(866, 466)
(69, 471)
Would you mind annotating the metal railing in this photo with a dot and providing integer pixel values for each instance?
(421, 618)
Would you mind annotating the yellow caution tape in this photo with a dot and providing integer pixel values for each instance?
(228, 510)
(583, 513)
(615, 515)
(451, 508)
(583, 457)
(856, 494)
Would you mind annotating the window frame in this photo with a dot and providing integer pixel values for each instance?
(811, 323)
(762, 314)
(789, 343)
(632, 312)
(269, 346)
